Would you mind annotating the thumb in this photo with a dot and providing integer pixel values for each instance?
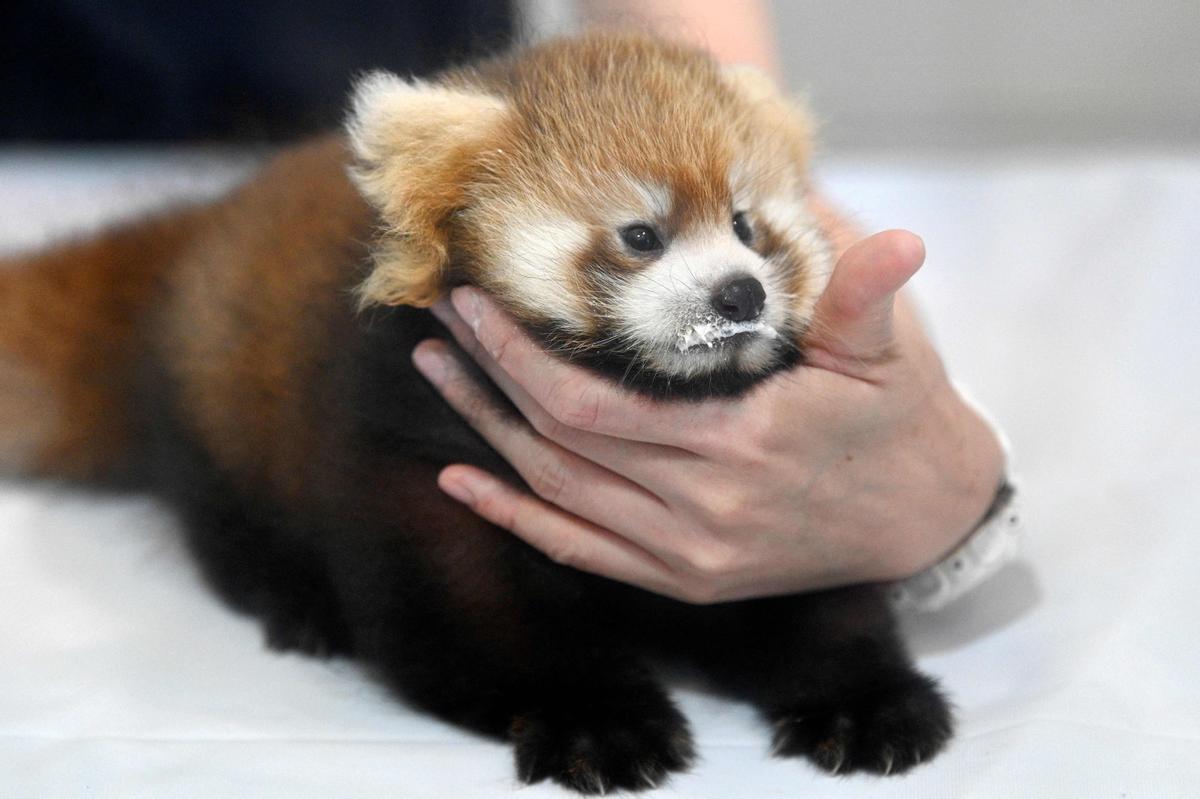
(853, 318)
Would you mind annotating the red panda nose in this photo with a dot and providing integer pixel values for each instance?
(739, 300)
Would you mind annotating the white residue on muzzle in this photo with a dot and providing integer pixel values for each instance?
(709, 333)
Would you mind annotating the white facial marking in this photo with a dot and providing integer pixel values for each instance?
(667, 307)
(777, 198)
(792, 219)
(534, 262)
(654, 200)
(742, 185)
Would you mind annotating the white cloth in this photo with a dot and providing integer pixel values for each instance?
(1062, 290)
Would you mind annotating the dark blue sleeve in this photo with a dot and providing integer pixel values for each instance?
(160, 70)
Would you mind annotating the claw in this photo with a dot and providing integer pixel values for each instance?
(889, 758)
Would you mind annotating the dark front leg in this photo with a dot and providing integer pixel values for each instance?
(258, 566)
(468, 623)
(831, 675)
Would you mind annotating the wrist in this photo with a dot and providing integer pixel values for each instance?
(991, 540)
(979, 465)
(962, 464)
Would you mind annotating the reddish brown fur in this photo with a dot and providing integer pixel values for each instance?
(74, 321)
(238, 333)
(582, 120)
(69, 317)
(248, 349)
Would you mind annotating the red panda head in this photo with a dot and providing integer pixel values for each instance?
(637, 207)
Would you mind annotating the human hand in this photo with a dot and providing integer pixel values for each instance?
(863, 464)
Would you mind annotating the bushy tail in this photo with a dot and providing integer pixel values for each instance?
(69, 348)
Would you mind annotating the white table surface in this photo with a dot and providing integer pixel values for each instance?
(1063, 289)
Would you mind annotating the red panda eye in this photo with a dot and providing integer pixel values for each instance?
(641, 238)
(741, 227)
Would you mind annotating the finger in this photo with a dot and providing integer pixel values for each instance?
(564, 538)
(854, 317)
(554, 473)
(576, 398)
(657, 467)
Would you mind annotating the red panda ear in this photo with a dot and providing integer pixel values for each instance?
(772, 111)
(414, 146)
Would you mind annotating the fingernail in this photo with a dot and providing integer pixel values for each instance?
(466, 302)
(430, 363)
(458, 490)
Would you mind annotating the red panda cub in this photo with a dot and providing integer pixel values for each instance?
(641, 211)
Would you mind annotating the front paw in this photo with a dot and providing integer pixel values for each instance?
(885, 732)
(631, 746)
